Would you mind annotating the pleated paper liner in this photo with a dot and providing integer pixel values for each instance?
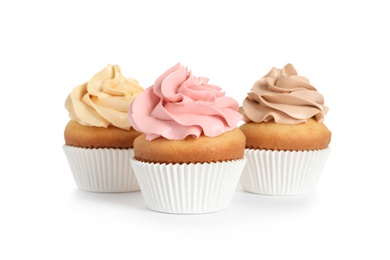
(188, 188)
(102, 170)
(282, 172)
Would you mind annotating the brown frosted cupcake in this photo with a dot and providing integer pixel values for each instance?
(287, 143)
(99, 137)
(191, 154)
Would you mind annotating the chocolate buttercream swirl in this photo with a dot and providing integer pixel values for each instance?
(284, 97)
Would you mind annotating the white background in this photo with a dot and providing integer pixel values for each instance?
(48, 47)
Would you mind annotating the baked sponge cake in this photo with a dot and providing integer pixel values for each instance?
(78, 135)
(99, 137)
(287, 142)
(191, 154)
(311, 135)
(203, 149)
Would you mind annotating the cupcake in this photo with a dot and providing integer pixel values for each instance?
(190, 156)
(287, 143)
(99, 137)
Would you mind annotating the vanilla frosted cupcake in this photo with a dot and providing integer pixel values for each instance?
(99, 137)
(191, 154)
(287, 143)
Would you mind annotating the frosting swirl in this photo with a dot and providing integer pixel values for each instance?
(284, 97)
(180, 105)
(104, 100)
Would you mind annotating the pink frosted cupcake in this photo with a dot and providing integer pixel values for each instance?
(99, 137)
(191, 154)
(287, 143)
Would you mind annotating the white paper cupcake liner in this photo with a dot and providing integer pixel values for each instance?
(282, 172)
(102, 170)
(188, 188)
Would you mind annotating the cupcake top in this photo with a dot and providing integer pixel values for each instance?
(284, 97)
(179, 104)
(104, 100)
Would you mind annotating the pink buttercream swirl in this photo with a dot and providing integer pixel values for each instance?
(284, 97)
(180, 105)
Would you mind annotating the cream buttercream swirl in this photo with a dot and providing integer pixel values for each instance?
(104, 100)
(284, 97)
(180, 105)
